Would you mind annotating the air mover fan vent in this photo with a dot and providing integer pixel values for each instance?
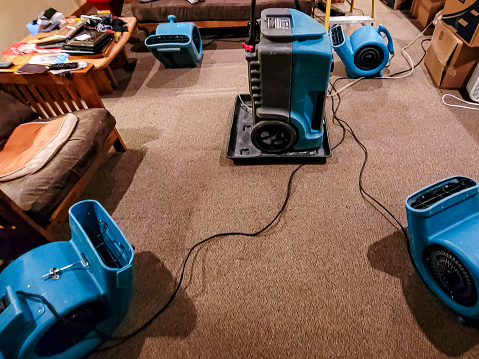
(451, 275)
(4, 303)
(197, 39)
(337, 37)
(369, 57)
(167, 39)
(455, 185)
(64, 334)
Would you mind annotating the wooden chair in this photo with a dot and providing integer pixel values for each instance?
(50, 95)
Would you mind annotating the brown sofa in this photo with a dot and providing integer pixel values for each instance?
(208, 13)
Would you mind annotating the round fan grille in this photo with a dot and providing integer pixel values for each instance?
(451, 275)
(64, 334)
(272, 136)
(368, 57)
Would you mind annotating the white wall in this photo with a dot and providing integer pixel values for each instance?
(15, 14)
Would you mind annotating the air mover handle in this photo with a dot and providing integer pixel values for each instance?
(252, 29)
(12, 318)
(385, 31)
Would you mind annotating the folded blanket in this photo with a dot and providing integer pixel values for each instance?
(32, 145)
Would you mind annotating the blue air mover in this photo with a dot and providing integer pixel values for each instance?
(288, 78)
(63, 299)
(176, 44)
(443, 226)
(364, 53)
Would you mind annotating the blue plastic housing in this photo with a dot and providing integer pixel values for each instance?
(25, 320)
(362, 38)
(451, 223)
(176, 44)
(289, 74)
(312, 57)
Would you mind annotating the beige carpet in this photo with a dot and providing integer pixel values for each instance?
(332, 278)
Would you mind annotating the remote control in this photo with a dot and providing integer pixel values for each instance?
(63, 66)
(5, 64)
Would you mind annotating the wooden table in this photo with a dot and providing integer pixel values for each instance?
(102, 74)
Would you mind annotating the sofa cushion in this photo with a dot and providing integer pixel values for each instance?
(40, 193)
(209, 10)
(12, 114)
(32, 145)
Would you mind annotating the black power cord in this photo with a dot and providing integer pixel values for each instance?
(220, 38)
(418, 63)
(346, 127)
(123, 339)
(57, 316)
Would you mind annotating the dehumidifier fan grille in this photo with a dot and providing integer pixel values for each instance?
(368, 57)
(67, 332)
(446, 190)
(451, 275)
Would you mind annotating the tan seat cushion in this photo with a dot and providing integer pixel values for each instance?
(40, 193)
(32, 145)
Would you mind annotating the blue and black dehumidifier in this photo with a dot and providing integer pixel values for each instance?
(364, 53)
(176, 44)
(64, 299)
(289, 72)
(443, 226)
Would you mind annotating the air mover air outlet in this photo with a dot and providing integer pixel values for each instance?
(176, 44)
(167, 39)
(196, 39)
(450, 275)
(368, 57)
(4, 303)
(337, 36)
(65, 334)
(447, 189)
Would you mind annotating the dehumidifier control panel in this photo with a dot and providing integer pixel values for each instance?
(276, 22)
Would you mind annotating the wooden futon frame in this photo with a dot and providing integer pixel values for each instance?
(49, 95)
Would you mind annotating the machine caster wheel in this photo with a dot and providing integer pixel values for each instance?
(273, 136)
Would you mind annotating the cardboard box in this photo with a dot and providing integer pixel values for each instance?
(462, 17)
(449, 60)
(425, 10)
(398, 4)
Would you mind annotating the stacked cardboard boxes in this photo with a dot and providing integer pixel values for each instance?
(462, 18)
(425, 10)
(451, 59)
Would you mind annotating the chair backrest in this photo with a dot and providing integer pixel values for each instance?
(53, 95)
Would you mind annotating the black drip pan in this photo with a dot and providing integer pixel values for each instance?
(241, 149)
